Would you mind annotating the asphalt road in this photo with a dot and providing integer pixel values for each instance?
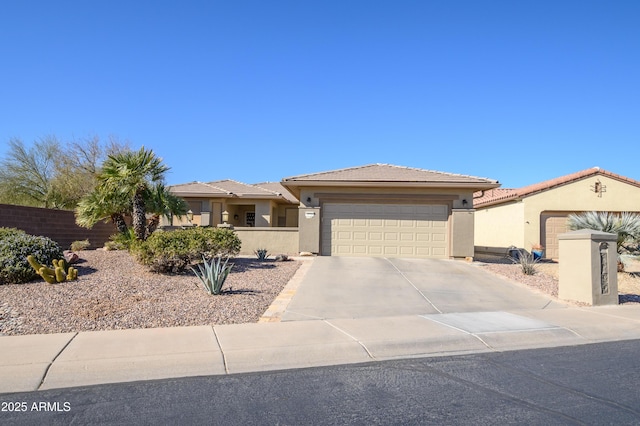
(591, 384)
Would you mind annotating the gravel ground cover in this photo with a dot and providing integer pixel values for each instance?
(546, 279)
(114, 292)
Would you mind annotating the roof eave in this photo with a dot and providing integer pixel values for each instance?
(493, 203)
(291, 184)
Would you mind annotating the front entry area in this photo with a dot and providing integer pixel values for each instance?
(387, 230)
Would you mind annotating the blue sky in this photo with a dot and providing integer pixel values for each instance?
(518, 91)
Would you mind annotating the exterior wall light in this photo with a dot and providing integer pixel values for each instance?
(189, 215)
(225, 216)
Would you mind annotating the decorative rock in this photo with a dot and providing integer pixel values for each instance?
(71, 257)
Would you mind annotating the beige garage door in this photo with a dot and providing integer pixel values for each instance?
(389, 230)
(552, 224)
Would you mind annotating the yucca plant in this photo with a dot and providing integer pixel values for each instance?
(528, 262)
(213, 273)
(625, 225)
(261, 254)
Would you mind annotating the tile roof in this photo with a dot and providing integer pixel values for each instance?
(388, 173)
(223, 188)
(277, 188)
(500, 195)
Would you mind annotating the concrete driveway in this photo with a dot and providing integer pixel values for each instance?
(361, 287)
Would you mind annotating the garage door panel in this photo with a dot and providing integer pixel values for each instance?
(391, 236)
(359, 250)
(362, 236)
(375, 236)
(438, 237)
(438, 251)
(391, 230)
(375, 250)
(407, 251)
(390, 251)
(406, 236)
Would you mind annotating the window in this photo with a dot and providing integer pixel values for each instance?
(250, 219)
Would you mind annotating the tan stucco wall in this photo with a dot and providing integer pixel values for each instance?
(500, 226)
(462, 233)
(309, 229)
(312, 198)
(275, 240)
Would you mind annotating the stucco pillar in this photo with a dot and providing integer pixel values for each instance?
(462, 232)
(263, 214)
(309, 229)
(588, 267)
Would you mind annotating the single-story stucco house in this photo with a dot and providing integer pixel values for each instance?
(371, 210)
(537, 213)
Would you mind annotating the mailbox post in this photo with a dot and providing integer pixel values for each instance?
(588, 267)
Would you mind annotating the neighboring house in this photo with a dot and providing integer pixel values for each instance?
(386, 210)
(267, 204)
(537, 213)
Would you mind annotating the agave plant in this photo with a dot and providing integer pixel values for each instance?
(625, 225)
(261, 254)
(213, 273)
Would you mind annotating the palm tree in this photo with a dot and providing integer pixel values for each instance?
(133, 174)
(161, 202)
(98, 205)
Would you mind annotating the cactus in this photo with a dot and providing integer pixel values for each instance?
(55, 274)
(34, 263)
(47, 274)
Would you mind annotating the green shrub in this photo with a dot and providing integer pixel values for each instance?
(14, 249)
(121, 240)
(80, 245)
(173, 251)
(10, 232)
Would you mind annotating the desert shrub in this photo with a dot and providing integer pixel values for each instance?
(261, 254)
(80, 245)
(14, 249)
(8, 232)
(527, 262)
(173, 251)
(121, 240)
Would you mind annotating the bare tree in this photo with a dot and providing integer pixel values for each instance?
(53, 175)
(26, 174)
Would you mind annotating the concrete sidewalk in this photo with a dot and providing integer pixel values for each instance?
(29, 363)
(446, 308)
